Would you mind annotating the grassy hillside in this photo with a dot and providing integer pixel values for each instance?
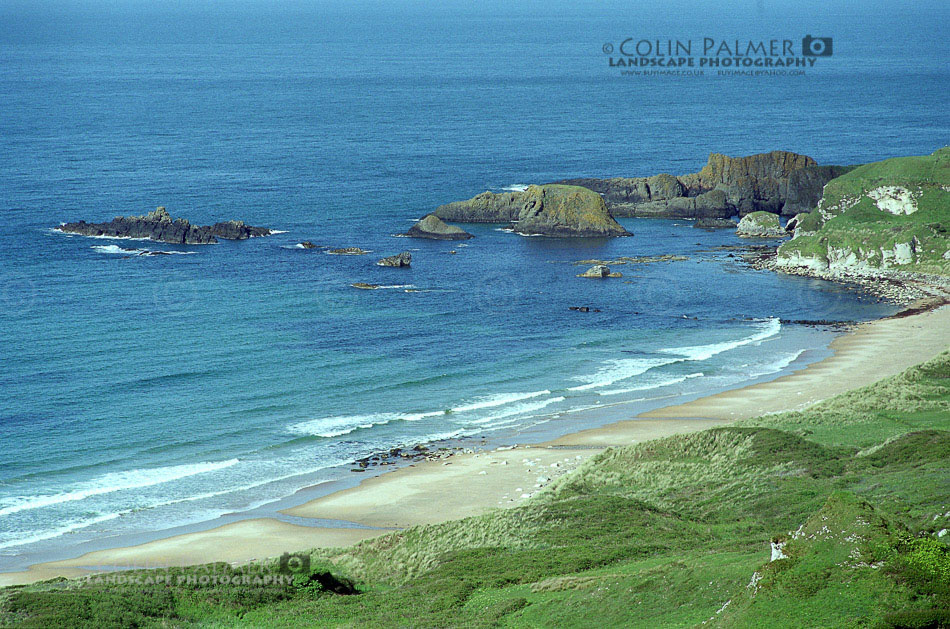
(893, 214)
(676, 532)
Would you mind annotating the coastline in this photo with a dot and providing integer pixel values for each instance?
(468, 484)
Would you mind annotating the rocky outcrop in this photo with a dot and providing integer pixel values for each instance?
(549, 210)
(779, 182)
(599, 271)
(398, 260)
(347, 251)
(715, 223)
(805, 185)
(161, 227)
(435, 228)
(760, 225)
(752, 183)
(306, 244)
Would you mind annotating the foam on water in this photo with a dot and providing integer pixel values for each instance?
(766, 329)
(112, 482)
(343, 424)
(138, 252)
(617, 370)
(653, 385)
(520, 409)
(498, 400)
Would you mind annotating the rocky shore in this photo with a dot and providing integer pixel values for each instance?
(160, 226)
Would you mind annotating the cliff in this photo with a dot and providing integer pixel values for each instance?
(548, 210)
(777, 182)
(889, 215)
(161, 227)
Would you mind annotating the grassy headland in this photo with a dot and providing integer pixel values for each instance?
(851, 493)
(889, 215)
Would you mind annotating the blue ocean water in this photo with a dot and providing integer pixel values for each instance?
(143, 392)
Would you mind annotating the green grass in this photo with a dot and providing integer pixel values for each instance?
(850, 223)
(673, 532)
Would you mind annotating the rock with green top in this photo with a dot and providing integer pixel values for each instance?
(760, 225)
(548, 210)
(434, 228)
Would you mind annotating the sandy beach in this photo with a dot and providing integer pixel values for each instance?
(470, 484)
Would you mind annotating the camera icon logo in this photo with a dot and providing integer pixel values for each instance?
(816, 46)
(294, 563)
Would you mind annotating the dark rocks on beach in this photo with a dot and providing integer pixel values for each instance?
(399, 260)
(435, 228)
(161, 227)
(550, 210)
(715, 223)
(778, 182)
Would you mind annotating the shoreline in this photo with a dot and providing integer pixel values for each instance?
(466, 484)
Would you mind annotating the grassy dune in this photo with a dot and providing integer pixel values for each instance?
(674, 532)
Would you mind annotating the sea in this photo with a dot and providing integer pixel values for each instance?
(140, 394)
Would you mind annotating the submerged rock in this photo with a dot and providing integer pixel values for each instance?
(306, 244)
(160, 226)
(398, 260)
(435, 228)
(549, 210)
(365, 286)
(715, 223)
(348, 251)
(760, 225)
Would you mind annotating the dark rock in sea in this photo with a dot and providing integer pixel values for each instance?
(715, 223)
(398, 260)
(161, 227)
(550, 210)
(347, 251)
(583, 309)
(306, 244)
(778, 182)
(435, 228)
(237, 230)
(365, 286)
